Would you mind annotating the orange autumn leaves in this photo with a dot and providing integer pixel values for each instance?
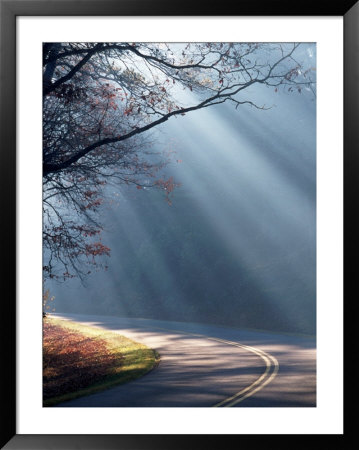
(72, 361)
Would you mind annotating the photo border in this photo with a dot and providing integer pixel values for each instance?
(9, 10)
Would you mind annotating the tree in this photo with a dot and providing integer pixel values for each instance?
(100, 101)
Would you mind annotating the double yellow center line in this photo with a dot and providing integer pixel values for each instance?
(271, 370)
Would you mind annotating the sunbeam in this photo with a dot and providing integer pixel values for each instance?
(238, 244)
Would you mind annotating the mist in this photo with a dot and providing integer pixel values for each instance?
(237, 246)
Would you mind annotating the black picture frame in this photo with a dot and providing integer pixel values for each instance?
(9, 10)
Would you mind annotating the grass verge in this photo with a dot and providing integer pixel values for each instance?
(80, 360)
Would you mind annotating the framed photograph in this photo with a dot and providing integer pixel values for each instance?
(175, 251)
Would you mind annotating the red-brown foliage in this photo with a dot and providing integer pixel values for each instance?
(72, 361)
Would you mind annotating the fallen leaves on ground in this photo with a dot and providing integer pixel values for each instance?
(72, 360)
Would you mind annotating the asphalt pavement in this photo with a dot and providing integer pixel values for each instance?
(210, 366)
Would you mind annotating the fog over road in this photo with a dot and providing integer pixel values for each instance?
(205, 366)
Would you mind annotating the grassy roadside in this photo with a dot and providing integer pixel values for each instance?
(80, 360)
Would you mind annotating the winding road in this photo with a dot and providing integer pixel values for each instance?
(210, 366)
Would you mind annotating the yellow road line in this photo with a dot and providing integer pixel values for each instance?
(266, 377)
(257, 385)
(272, 367)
